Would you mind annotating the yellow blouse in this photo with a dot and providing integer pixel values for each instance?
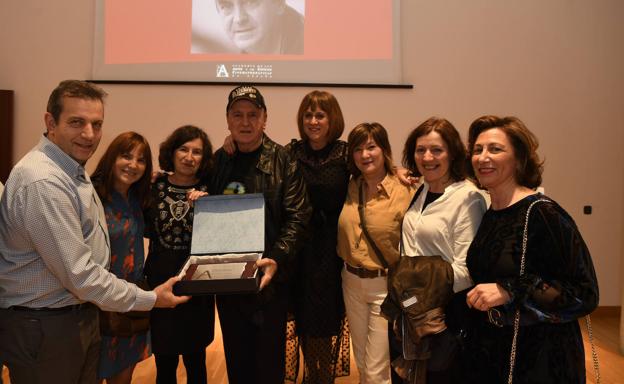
(384, 215)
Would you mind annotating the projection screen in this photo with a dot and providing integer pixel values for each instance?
(271, 41)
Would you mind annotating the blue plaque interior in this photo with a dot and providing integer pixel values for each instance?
(228, 224)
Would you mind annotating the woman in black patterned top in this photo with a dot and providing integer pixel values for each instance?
(186, 157)
(319, 325)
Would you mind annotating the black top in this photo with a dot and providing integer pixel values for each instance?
(188, 327)
(169, 226)
(243, 164)
(319, 300)
(558, 287)
(318, 303)
(431, 197)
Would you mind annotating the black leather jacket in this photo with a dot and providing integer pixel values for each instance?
(287, 209)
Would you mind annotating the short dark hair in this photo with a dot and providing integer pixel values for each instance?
(176, 139)
(456, 148)
(360, 134)
(529, 167)
(72, 88)
(328, 104)
(103, 177)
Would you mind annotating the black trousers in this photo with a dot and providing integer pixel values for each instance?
(50, 346)
(194, 363)
(254, 337)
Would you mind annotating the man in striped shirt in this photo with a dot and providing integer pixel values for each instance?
(55, 250)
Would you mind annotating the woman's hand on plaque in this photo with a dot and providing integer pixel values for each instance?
(194, 194)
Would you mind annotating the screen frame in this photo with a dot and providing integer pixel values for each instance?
(186, 73)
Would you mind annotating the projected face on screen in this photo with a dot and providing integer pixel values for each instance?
(250, 27)
(253, 25)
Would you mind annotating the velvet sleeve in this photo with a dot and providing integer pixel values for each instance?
(559, 283)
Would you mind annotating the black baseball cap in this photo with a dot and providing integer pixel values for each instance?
(246, 92)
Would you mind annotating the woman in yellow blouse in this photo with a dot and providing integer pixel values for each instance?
(376, 195)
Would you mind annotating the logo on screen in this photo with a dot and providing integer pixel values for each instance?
(222, 71)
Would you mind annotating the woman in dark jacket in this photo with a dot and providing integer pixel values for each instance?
(558, 284)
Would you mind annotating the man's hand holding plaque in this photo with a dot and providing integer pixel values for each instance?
(269, 268)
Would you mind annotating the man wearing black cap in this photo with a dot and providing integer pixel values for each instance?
(254, 325)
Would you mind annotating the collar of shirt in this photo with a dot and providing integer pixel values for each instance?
(448, 191)
(384, 188)
(63, 160)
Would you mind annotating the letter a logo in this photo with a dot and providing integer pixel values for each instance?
(222, 71)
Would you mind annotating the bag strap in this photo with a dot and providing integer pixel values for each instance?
(590, 336)
(418, 192)
(514, 340)
(372, 243)
(512, 355)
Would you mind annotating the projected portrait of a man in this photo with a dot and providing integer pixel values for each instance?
(249, 26)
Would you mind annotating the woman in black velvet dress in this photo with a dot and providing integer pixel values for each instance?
(559, 284)
(320, 322)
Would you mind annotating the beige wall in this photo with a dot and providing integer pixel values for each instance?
(556, 64)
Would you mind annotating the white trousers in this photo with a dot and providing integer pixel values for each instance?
(369, 330)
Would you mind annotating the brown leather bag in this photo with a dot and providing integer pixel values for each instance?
(124, 324)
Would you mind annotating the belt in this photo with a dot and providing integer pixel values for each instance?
(365, 273)
(68, 308)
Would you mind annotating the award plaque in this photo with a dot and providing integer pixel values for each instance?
(228, 239)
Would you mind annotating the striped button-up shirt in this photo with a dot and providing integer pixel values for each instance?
(54, 246)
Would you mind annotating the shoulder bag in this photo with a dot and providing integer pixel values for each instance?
(512, 355)
(125, 324)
